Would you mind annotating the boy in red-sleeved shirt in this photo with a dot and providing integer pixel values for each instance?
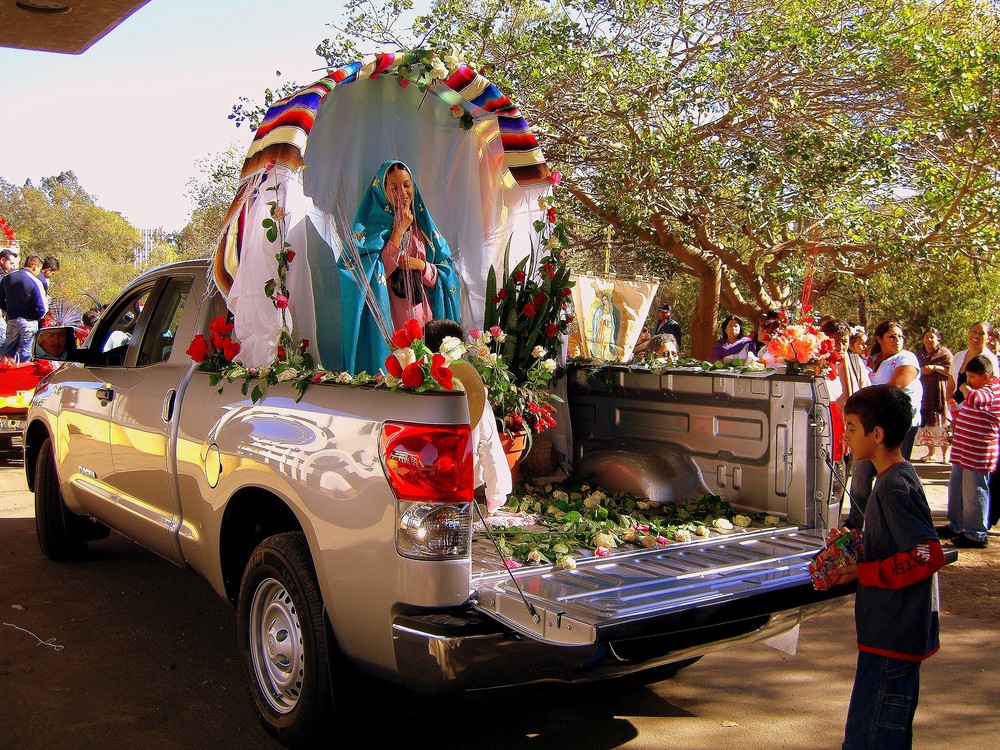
(896, 622)
(973, 456)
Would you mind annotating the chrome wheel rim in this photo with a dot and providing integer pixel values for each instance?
(276, 645)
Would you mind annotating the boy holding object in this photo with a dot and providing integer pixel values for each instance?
(896, 622)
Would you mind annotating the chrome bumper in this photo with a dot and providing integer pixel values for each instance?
(467, 651)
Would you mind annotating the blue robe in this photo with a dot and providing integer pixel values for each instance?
(364, 349)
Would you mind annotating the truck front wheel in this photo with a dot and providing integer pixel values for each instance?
(283, 642)
(62, 535)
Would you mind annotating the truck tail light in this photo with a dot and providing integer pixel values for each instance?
(837, 427)
(429, 469)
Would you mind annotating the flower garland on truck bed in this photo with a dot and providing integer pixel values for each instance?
(575, 520)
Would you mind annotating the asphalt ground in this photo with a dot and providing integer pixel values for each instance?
(126, 650)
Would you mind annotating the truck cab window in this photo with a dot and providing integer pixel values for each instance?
(158, 341)
(117, 325)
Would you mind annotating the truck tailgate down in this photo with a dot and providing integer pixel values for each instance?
(639, 593)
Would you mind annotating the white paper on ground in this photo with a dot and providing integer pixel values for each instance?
(786, 642)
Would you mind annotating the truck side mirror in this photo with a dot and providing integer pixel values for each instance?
(55, 344)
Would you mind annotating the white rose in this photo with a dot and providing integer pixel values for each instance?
(487, 337)
(553, 243)
(344, 377)
(538, 352)
(501, 337)
(682, 535)
(702, 531)
(405, 357)
(771, 521)
(592, 502)
(566, 562)
(452, 60)
(549, 365)
(452, 347)
(438, 70)
(534, 557)
(598, 496)
(604, 540)
(722, 523)
(559, 495)
(741, 521)
(391, 382)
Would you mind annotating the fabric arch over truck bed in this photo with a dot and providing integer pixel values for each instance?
(478, 166)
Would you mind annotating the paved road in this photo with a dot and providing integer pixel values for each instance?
(148, 660)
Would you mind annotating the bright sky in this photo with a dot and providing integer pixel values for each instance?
(132, 115)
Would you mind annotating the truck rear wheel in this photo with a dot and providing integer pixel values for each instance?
(284, 642)
(62, 535)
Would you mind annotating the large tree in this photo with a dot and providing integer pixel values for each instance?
(211, 194)
(97, 248)
(745, 142)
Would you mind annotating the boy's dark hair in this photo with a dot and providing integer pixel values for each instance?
(836, 329)
(885, 406)
(980, 365)
(438, 330)
(52, 262)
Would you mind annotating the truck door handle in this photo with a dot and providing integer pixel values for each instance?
(106, 393)
(168, 405)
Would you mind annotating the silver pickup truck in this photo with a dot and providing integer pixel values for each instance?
(340, 529)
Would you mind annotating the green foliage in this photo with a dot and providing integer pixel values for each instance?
(97, 248)
(211, 194)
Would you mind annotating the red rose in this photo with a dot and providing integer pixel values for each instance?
(441, 372)
(549, 270)
(404, 82)
(569, 319)
(414, 329)
(551, 330)
(413, 375)
(230, 349)
(528, 310)
(566, 292)
(519, 276)
(539, 299)
(392, 366)
(281, 352)
(220, 326)
(290, 255)
(218, 342)
(502, 294)
(304, 344)
(198, 349)
(551, 214)
(405, 336)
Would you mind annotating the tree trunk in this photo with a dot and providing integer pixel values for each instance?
(702, 326)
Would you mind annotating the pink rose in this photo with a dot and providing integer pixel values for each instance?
(475, 333)
(280, 301)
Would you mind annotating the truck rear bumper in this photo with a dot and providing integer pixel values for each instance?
(466, 651)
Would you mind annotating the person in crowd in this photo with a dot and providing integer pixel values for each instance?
(859, 342)
(769, 323)
(891, 364)
(976, 339)
(641, 343)
(8, 264)
(974, 452)
(733, 343)
(405, 260)
(49, 267)
(661, 345)
(852, 374)
(993, 341)
(665, 323)
(935, 363)
(492, 470)
(23, 301)
(894, 614)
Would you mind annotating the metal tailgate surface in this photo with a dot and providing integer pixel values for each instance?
(574, 606)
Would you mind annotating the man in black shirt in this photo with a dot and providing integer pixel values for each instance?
(665, 324)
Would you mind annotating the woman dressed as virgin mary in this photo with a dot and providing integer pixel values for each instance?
(406, 261)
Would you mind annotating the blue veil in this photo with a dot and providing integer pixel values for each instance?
(364, 347)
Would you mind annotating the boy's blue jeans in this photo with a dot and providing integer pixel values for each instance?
(883, 703)
(968, 502)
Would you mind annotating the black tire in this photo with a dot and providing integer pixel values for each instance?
(62, 535)
(284, 643)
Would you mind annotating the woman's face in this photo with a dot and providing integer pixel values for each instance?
(977, 336)
(860, 345)
(891, 342)
(733, 330)
(931, 341)
(399, 188)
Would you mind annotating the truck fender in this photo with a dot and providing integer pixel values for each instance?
(659, 474)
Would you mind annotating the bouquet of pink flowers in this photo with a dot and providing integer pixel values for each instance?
(803, 348)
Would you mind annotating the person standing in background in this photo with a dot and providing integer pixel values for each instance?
(665, 323)
(935, 363)
(49, 266)
(8, 264)
(23, 301)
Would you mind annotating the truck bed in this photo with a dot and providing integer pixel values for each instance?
(612, 597)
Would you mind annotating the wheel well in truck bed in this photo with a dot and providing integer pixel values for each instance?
(251, 516)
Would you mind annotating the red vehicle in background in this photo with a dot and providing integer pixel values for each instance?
(17, 386)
